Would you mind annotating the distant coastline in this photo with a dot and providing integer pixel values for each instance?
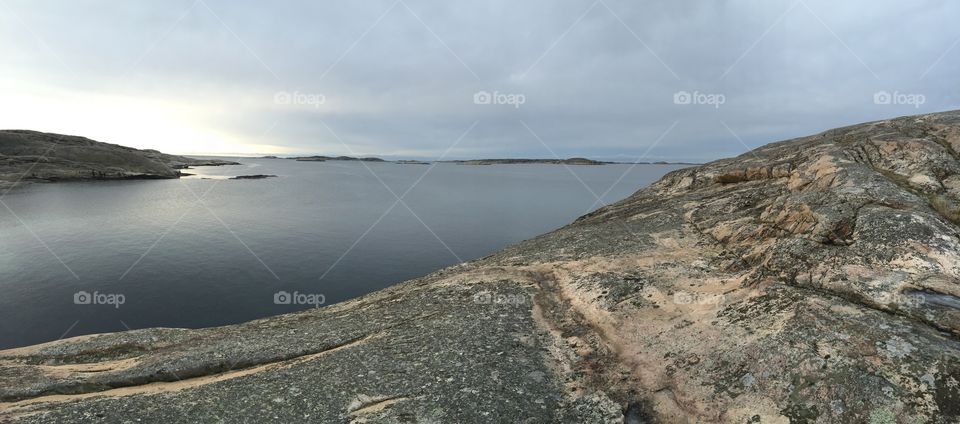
(500, 161)
(570, 161)
(31, 156)
(326, 158)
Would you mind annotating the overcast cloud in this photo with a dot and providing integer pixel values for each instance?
(398, 78)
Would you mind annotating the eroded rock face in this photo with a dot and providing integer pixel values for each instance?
(812, 280)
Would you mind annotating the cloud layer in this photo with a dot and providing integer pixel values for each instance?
(611, 79)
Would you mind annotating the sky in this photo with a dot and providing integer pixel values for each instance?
(607, 79)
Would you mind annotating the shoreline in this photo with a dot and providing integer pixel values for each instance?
(703, 297)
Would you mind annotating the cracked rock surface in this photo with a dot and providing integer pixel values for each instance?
(814, 280)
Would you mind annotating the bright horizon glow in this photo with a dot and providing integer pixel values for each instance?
(166, 126)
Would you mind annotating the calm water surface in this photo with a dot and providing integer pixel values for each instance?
(321, 228)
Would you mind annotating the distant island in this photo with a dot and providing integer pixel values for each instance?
(503, 161)
(326, 158)
(570, 161)
(663, 163)
(252, 177)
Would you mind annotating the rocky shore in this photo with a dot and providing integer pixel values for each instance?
(814, 280)
(30, 156)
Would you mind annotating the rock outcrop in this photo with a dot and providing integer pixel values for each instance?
(30, 156)
(815, 280)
